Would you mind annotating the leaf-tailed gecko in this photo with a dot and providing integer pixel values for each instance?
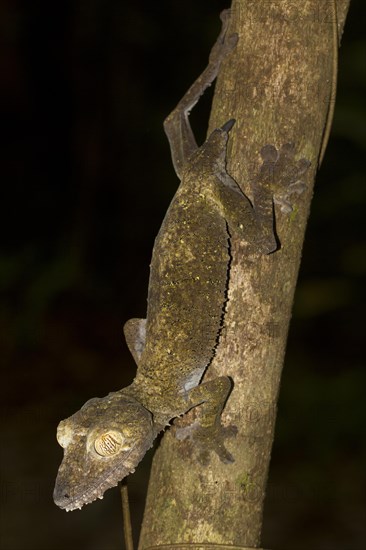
(105, 440)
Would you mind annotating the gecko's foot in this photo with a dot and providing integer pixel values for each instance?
(213, 439)
(284, 174)
(205, 440)
(224, 43)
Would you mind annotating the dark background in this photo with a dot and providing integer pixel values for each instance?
(86, 178)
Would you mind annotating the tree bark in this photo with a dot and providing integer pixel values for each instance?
(277, 85)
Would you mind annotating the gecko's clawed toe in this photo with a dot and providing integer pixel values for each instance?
(213, 439)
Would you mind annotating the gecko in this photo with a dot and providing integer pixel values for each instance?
(173, 346)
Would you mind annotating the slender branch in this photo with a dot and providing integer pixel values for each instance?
(127, 527)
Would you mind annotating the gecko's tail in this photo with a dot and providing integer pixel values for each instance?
(211, 156)
(228, 125)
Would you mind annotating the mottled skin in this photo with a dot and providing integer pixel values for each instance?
(106, 439)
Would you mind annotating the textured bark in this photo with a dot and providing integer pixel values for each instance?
(277, 85)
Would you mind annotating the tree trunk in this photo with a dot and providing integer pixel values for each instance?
(277, 84)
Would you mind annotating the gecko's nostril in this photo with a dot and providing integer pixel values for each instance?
(66, 495)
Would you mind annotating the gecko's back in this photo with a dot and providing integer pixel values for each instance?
(187, 289)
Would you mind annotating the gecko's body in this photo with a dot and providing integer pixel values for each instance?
(190, 270)
(105, 440)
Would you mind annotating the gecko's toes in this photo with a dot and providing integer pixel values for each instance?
(203, 457)
(230, 431)
(269, 153)
(287, 150)
(232, 40)
(226, 457)
(208, 439)
(303, 165)
(225, 15)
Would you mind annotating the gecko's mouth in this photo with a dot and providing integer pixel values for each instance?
(64, 499)
(69, 503)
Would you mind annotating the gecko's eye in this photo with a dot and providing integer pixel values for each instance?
(109, 443)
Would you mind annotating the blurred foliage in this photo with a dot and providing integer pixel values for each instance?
(86, 179)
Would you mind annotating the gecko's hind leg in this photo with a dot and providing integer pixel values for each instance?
(253, 222)
(176, 125)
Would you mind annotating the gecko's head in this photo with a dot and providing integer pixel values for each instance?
(103, 443)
